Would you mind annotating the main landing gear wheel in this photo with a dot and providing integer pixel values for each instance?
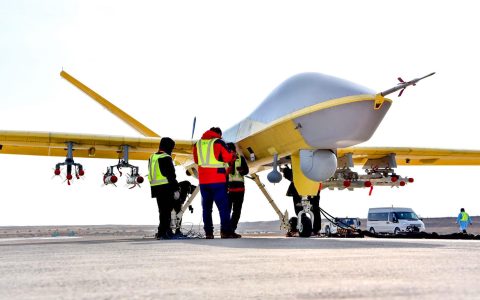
(307, 227)
(372, 230)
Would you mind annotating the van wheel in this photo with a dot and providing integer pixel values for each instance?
(396, 231)
(328, 232)
(372, 230)
(307, 227)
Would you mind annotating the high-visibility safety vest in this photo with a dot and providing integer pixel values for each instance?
(206, 154)
(464, 217)
(236, 175)
(155, 176)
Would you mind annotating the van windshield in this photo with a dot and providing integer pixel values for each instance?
(406, 215)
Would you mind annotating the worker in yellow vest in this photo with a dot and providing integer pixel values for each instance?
(463, 220)
(236, 185)
(164, 185)
(212, 156)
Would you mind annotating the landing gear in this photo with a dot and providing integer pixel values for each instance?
(305, 224)
(306, 230)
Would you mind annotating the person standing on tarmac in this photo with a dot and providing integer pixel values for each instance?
(211, 155)
(164, 185)
(463, 220)
(236, 185)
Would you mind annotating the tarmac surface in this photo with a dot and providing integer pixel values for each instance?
(255, 267)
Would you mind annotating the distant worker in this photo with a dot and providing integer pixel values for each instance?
(297, 204)
(163, 185)
(463, 220)
(236, 185)
(212, 156)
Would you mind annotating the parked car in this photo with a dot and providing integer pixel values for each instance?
(343, 226)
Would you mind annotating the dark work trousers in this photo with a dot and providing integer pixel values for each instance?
(236, 202)
(315, 201)
(215, 192)
(165, 206)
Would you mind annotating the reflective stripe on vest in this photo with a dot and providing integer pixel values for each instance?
(155, 176)
(206, 154)
(236, 175)
(464, 217)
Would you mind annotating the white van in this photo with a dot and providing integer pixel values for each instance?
(393, 220)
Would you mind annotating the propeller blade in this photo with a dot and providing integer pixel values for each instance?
(193, 127)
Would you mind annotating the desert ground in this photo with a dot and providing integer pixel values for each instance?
(125, 262)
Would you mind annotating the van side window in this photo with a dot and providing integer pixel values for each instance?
(393, 216)
(378, 216)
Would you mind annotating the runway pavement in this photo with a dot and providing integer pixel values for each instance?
(248, 268)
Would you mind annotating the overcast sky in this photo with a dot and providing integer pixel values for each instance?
(165, 62)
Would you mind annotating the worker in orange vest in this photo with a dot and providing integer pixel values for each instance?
(212, 156)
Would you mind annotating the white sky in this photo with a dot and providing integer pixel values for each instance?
(165, 62)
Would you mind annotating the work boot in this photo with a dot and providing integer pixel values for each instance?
(229, 235)
(209, 236)
(166, 236)
(236, 235)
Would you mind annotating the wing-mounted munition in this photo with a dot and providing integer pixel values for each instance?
(133, 178)
(70, 164)
(379, 172)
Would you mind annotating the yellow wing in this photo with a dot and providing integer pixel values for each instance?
(86, 145)
(414, 156)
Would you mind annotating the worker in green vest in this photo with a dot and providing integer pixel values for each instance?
(236, 185)
(463, 220)
(164, 185)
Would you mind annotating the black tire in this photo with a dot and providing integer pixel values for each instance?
(396, 231)
(328, 232)
(372, 230)
(293, 224)
(307, 227)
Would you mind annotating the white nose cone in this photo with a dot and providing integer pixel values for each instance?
(318, 165)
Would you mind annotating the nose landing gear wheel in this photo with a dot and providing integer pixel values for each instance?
(307, 227)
